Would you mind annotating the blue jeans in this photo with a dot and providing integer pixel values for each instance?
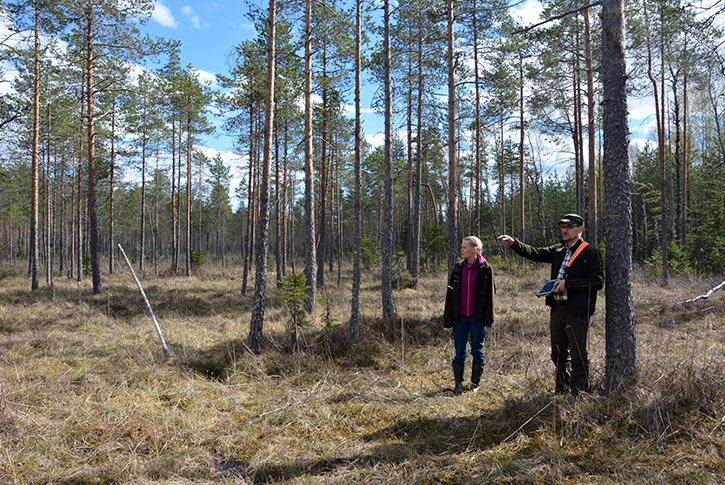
(461, 329)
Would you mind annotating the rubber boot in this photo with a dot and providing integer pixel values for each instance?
(476, 372)
(458, 376)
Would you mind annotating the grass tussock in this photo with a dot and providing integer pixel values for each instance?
(88, 397)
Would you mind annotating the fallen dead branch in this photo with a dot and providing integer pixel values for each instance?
(706, 295)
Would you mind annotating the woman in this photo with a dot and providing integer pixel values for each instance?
(469, 309)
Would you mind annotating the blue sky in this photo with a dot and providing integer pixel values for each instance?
(207, 31)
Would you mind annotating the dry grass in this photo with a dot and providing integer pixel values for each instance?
(87, 397)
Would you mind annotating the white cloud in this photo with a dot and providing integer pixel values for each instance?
(205, 76)
(528, 12)
(376, 139)
(640, 108)
(349, 109)
(163, 16)
(188, 12)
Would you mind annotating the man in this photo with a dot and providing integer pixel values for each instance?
(577, 268)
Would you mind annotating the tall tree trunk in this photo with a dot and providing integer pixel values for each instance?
(322, 237)
(522, 215)
(277, 225)
(189, 139)
(592, 226)
(284, 199)
(453, 244)
(659, 107)
(685, 151)
(111, 245)
(415, 272)
(142, 230)
(92, 215)
(502, 179)
(477, 134)
(409, 155)
(250, 198)
(662, 154)
(677, 192)
(621, 356)
(357, 204)
(387, 222)
(309, 173)
(34, 253)
(254, 341)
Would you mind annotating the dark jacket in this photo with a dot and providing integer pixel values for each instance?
(583, 279)
(483, 295)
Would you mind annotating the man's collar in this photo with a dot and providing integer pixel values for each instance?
(566, 245)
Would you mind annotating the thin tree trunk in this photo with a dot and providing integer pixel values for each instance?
(92, 215)
(309, 173)
(477, 149)
(111, 245)
(592, 226)
(189, 139)
(34, 253)
(685, 151)
(522, 214)
(357, 204)
(453, 244)
(387, 212)
(277, 225)
(142, 231)
(254, 341)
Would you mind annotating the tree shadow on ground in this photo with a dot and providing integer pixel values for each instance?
(389, 453)
(421, 438)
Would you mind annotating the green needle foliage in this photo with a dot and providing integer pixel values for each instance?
(295, 294)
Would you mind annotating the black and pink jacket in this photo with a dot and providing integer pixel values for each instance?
(470, 293)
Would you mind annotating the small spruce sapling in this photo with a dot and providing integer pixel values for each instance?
(295, 294)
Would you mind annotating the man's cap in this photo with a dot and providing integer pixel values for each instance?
(573, 219)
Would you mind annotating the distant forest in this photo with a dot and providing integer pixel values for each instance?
(104, 155)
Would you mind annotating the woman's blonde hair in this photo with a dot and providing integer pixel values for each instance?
(474, 242)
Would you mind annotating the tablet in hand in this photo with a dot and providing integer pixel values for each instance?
(548, 288)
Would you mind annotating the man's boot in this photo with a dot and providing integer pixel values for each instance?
(458, 376)
(476, 372)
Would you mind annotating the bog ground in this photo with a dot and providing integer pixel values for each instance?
(87, 396)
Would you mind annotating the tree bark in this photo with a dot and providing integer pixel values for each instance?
(111, 246)
(621, 360)
(309, 173)
(453, 244)
(592, 226)
(387, 212)
(254, 341)
(357, 205)
(92, 215)
(34, 253)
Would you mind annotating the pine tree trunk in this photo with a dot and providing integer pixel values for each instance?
(477, 148)
(34, 253)
(92, 215)
(453, 244)
(111, 245)
(522, 147)
(357, 204)
(254, 341)
(387, 212)
(621, 360)
(415, 271)
(592, 226)
(189, 139)
(311, 261)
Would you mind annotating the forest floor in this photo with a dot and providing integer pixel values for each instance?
(87, 396)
